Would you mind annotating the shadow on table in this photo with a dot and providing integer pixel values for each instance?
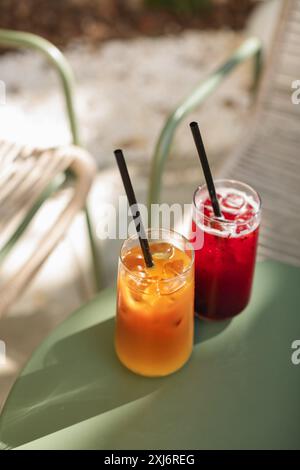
(81, 378)
(205, 330)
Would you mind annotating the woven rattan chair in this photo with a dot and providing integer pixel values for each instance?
(268, 158)
(28, 176)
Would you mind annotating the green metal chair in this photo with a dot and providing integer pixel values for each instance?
(21, 156)
(268, 157)
(250, 49)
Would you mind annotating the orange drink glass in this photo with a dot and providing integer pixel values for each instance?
(155, 310)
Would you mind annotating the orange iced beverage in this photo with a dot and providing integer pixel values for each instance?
(154, 327)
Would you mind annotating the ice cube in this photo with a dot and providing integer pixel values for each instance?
(242, 226)
(173, 268)
(208, 211)
(135, 263)
(135, 283)
(139, 270)
(131, 297)
(136, 295)
(216, 224)
(162, 251)
(244, 219)
(207, 208)
(249, 212)
(169, 286)
(233, 203)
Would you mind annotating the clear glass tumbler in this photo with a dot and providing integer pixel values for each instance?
(155, 306)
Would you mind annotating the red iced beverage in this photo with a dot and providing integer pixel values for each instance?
(225, 249)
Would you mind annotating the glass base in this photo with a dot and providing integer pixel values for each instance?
(216, 319)
(153, 375)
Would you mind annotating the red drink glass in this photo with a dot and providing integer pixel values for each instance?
(225, 249)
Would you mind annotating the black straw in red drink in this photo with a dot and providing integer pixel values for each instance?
(206, 169)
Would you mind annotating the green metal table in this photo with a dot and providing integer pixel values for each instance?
(240, 388)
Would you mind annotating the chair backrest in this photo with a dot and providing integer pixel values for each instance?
(269, 159)
(16, 39)
(28, 177)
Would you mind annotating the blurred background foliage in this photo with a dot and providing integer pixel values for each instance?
(187, 6)
(94, 21)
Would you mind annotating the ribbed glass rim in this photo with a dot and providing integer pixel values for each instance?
(164, 231)
(223, 221)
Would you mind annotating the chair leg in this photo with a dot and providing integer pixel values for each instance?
(96, 265)
(257, 70)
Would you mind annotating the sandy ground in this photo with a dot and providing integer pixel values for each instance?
(125, 90)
